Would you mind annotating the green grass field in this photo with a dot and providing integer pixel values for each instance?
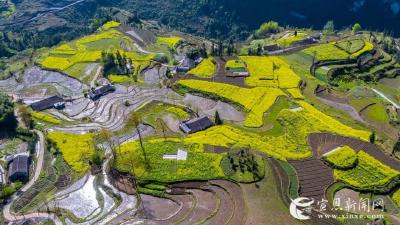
(376, 112)
(351, 46)
(198, 166)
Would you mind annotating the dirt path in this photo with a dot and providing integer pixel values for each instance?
(344, 107)
(96, 77)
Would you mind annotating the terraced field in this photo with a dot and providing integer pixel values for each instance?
(279, 112)
(212, 202)
(74, 58)
(315, 176)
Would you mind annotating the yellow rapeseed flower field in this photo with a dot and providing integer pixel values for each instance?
(169, 41)
(205, 69)
(368, 174)
(77, 149)
(256, 101)
(270, 71)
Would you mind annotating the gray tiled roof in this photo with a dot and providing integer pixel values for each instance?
(20, 164)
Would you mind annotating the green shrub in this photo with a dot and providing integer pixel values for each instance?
(356, 28)
(198, 166)
(267, 27)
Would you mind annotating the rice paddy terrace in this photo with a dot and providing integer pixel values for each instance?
(155, 128)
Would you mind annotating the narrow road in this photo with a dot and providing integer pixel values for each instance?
(40, 148)
(386, 98)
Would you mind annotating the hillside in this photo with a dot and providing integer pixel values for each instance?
(134, 116)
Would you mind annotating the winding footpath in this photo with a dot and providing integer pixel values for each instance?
(40, 148)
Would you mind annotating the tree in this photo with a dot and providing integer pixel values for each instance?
(218, 120)
(231, 47)
(26, 116)
(7, 118)
(372, 138)
(329, 27)
(274, 68)
(314, 57)
(356, 27)
(259, 49)
(105, 135)
(203, 51)
(220, 48)
(135, 120)
(6, 108)
(97, 158)
(396, 147)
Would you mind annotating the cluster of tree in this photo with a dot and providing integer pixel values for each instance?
(116, 63)
(389, 45)
(211, 18)
(222, 48)
(243, 160)
(6, 108)
(7, 119)
(257, 51)
(15, 39)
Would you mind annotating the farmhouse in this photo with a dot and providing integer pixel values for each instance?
(186, 65)
(180, 155)
(306, 41)
(19, 168)
(48, 103)
(236, 68)
(237, 72)
(97, 93)
(195, 125)
(271, 48)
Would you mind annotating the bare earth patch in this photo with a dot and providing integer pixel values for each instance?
(208, 107)
(159, 208)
